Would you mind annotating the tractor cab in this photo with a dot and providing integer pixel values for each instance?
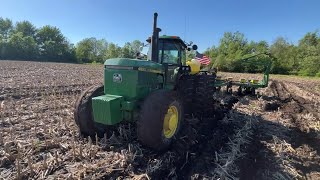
(171, 53)
(171, 50)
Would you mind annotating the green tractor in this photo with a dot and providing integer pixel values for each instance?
(156, 93)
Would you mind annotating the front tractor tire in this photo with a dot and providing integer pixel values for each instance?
(160, 119)
(83, 114)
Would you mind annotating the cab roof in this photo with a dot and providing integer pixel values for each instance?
(173, 38)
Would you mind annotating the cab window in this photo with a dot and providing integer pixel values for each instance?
(169, 52)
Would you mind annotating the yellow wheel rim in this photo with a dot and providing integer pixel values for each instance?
(170, 123)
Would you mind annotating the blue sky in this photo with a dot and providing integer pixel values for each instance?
(200, 21)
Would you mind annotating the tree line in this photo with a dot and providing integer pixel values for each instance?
(23, 41)
(301, 59)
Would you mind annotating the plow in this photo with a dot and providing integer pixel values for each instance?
(156, 93)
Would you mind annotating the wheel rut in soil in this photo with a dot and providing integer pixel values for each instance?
(295, 106)
(262, 159)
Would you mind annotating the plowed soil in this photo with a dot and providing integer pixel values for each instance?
(273, 135)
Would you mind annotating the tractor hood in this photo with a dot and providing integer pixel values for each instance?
(131, 78)
(133, 64)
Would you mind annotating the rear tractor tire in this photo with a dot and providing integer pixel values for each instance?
(160, 119)
(83, 114)
(204, 92)
(185, 89)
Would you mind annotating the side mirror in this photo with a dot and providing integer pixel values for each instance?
(194, 47)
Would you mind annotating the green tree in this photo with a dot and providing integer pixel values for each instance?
(310, 39)
(21, 43)
(113, 51)
(212, 53)
(136, 46)
(53, 45)
(130, 50)
(5, 28)
(26, 28)
(253, 64)
(126, 51)
(309, 54)
(91, 50)
(233, 46)
(22, 47)
(285, 61)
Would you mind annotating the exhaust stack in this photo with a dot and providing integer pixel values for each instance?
(155, 40)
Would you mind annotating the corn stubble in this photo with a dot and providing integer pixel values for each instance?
(39, 138)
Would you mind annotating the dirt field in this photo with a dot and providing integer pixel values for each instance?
(274, 135)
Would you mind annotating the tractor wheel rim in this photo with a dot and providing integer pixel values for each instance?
(170, 123)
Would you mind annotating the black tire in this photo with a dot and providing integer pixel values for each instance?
(204, 92)
(150, 124)
(83, 111)
(185, 90)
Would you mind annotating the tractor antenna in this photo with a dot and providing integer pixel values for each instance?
(185, 28)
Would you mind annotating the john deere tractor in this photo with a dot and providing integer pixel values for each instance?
(156, 93)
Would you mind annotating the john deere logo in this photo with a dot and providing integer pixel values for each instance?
(117, 78)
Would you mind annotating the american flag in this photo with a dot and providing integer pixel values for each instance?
(203, 59)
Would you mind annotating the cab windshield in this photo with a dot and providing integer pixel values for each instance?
(170, 51)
